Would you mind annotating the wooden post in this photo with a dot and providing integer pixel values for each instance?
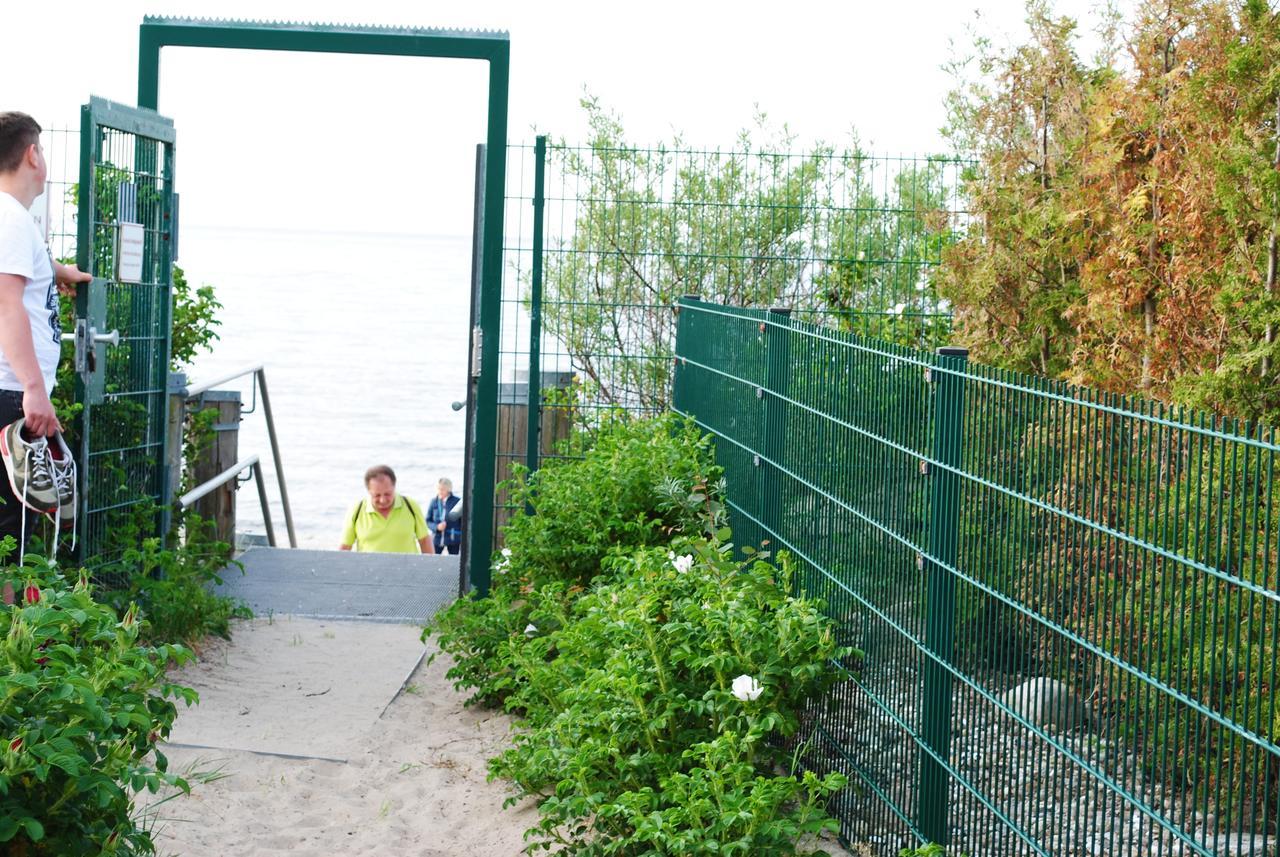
(219, 506)
(513, 435)
(173, 448)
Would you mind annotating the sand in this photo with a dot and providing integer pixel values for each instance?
(409, 780)
(336, 738)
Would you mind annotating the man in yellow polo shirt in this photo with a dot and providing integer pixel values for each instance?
(385, 522)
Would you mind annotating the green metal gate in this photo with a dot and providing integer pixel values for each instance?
(126, 234)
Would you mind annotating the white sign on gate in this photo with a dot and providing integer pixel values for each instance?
(129, 253)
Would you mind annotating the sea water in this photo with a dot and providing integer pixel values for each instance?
(364, 338)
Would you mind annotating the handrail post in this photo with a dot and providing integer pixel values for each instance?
(940, 606)
(266, 510)
(275, 457)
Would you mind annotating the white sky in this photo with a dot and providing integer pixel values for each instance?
(386, 144)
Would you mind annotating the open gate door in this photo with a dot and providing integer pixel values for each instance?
(473, 379)
(126, 237)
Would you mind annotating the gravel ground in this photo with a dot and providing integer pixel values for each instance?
(1056, 802)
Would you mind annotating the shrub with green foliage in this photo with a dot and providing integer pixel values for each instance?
(661, 682)
(652, 704)
(640, 482)
(82, 707)
(172, 587)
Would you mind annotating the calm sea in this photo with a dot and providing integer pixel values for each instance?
(364, 337)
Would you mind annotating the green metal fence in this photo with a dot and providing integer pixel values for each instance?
(602, 240)
(126, 177)
(1064, 602)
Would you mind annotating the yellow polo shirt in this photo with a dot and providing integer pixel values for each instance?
(399, 532)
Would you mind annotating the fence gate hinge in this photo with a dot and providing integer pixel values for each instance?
(477, 348)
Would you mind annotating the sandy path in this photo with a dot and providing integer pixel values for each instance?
(413, 780)
(413, 784)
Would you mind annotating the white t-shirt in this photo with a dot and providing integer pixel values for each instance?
(24, 254)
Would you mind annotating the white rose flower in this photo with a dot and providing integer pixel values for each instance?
(530, 630)
(747, 688)
(683, 563)
(506, 553)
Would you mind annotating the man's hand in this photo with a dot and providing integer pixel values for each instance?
(440, 526)
(68, 277)
(37, 410)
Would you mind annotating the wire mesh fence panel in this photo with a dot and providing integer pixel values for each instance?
(125, 188)
(1064, 604)
(847, 239)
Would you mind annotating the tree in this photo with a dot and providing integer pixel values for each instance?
(756, 225)
(1125, 211)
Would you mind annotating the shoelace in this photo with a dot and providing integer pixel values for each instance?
(64, 482)
(64, 477)
(37, 472)
(43, 470)
(39, 464)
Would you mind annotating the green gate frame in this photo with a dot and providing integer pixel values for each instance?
(150, 331)
(492, 47)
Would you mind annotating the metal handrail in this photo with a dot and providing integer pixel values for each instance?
(206, 488)
(193, 392)
(259, 372)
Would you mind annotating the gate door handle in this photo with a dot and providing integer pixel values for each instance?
(112, 338)
(85, 337)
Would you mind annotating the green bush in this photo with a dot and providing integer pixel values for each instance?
(661, 682)
(169, 583)
(655, 701)
(84, 705)
(641, 482)
(172, 588)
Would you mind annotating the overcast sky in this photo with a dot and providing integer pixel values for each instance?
(386, 144)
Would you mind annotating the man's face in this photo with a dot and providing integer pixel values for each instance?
(382, 493)
(443, 492)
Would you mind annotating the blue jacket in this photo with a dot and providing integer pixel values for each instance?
(437, 511)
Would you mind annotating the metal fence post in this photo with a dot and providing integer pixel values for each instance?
(679, 386)
(940, 605)
(777, 345)
(533, 439)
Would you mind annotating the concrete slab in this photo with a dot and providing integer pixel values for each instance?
(296, 687)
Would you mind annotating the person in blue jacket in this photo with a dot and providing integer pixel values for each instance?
(446, 528)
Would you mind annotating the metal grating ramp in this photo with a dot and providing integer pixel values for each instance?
(371, 587)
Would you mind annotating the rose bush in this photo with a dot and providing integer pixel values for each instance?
(660, 680)
(654, 709)
(82, 706)
(639, 483)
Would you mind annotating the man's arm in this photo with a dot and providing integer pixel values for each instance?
(20, 351)
(425, 544)
(344, 547)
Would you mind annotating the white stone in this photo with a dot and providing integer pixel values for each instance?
(1048, 703)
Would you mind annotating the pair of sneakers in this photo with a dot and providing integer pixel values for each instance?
(41, 473)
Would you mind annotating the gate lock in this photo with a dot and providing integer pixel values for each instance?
(85, 337)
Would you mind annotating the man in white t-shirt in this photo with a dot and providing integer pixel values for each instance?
(30, 332)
